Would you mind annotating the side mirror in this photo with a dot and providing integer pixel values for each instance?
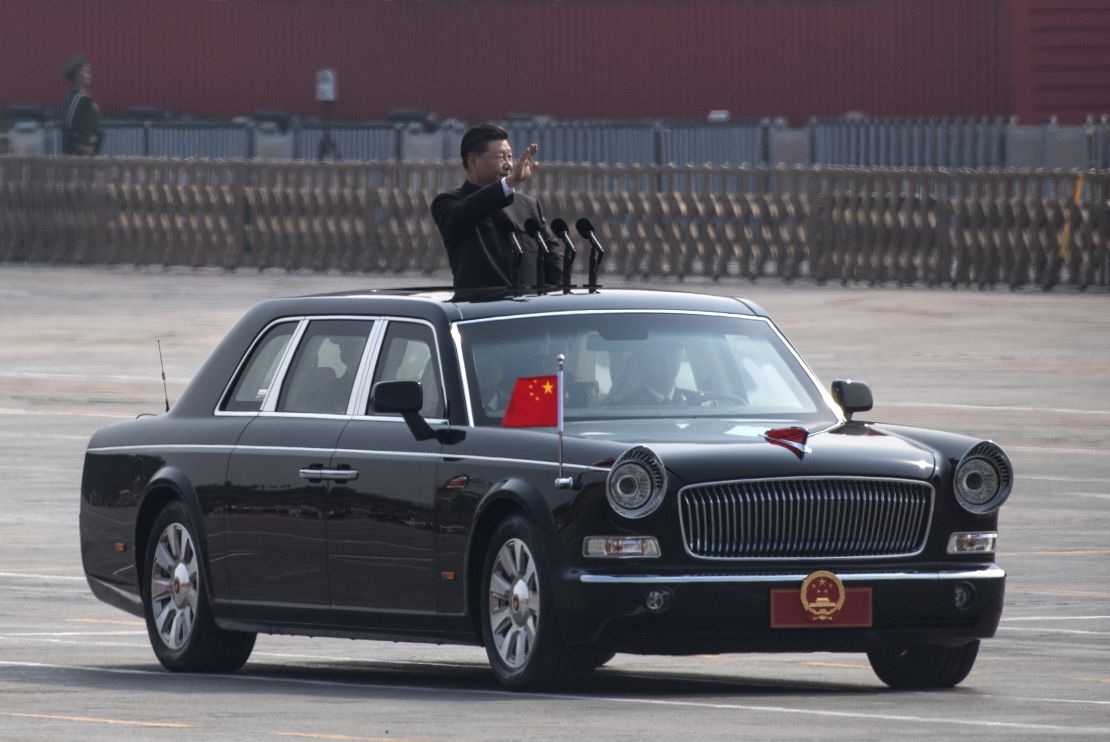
(404, 398)
(398, 397)
(852, 396)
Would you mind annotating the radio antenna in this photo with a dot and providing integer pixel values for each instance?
(163, 365)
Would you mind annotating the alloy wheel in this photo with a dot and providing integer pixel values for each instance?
(514, 603)
(174, 586)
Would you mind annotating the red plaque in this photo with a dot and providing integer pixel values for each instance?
(821, 602)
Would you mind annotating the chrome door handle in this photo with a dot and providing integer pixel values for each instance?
(312, 475)
(334, 475)
(341, 475)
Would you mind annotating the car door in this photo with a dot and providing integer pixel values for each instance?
(380, 525)
(279, 475)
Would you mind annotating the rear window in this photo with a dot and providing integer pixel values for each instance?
(257, 374)
(322, 374)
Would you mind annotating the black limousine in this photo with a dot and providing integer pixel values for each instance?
(556, 477)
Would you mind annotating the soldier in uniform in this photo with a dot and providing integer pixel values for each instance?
(476, 218)
(82, 131)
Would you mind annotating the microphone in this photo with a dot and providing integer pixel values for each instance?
(510, 234)
(559, 227)
(532, 227)
(585, 228)
(597, 252)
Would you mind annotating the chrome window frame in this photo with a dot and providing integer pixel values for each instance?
(294, 339)
(269, 403)
(361, 397)
(360, 391)
(269, 406)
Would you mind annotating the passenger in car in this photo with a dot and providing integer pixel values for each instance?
(656, 367)
(476, 219)
(328, 391)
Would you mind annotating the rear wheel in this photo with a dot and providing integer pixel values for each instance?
(924, 665)
(178, 617)
(519, 625)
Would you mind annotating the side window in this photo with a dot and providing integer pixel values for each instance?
(322, 373)
(408, 354)
(258, 372)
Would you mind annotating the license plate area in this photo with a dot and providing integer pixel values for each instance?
(822, 602)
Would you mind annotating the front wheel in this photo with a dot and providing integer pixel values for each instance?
(924, 665)
(179, 621)
(519, 625)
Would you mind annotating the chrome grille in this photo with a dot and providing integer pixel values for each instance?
(805, 518)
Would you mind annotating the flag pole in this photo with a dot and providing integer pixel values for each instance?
(561, 482)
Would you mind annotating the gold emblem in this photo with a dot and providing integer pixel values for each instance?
(822, 596)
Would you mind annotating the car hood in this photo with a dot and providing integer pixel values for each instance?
(720, 450)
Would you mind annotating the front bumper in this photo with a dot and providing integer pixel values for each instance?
(720, 612)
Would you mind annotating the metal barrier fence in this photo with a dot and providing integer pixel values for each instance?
(860, 142)
(910, 143)
(935, 227)
(218, 139)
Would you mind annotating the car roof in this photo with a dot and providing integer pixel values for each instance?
(501, 303)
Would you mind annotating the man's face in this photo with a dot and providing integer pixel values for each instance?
(493, 164)
(660, 366)
(84, 76)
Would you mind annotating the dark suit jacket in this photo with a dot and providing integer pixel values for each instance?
(473, 221)
(519, 211)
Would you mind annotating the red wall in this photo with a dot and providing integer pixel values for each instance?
(570, 59)
(1061, 50)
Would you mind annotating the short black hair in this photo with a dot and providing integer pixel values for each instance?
(476, 138)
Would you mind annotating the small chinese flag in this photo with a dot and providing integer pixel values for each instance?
(534, 404)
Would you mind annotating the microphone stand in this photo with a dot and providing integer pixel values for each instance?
(518, 255)
(559, 227)
(597, 252)
(532, 227)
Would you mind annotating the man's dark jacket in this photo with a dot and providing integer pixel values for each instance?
(473, 222)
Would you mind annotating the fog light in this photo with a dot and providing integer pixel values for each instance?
(963, 595)
(621, 547)
(658, 601)
(979, 542)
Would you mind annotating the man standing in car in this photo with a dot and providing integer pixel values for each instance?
(477, 219)
(82, 132)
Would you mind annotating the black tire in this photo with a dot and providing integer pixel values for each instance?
(524, 646)
(175, 601)
(602, 655)
(924, 665)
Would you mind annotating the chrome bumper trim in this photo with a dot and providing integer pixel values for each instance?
(993, 572)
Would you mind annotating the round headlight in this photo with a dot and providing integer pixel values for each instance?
(983, 479)
(636, 483)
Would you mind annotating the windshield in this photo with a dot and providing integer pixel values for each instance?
(642, 365)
